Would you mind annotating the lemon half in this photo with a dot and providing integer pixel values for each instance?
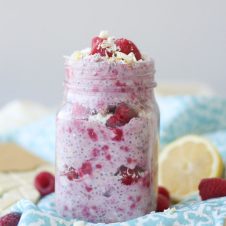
(184, 162)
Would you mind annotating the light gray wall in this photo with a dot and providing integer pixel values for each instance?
(187, 39)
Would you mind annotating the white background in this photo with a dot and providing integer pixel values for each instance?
(187, 39)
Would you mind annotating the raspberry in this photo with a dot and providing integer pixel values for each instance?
(118, 134)
(163, 191)
(11, 219)
(123, 114)
(88, 188)
(162, 203)
(86, 168)
(129, 176)
(113, 122)
(108, 157)
(126, 46)
(72, 174)
(92, 134)
(105, 148)
(44, 183)
(96, 47)
(98, 166)
(96, 41)
(212, 188)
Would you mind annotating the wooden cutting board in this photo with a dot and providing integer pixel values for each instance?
(18, 169)
(16, 158)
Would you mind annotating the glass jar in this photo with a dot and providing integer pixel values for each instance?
(107, 141)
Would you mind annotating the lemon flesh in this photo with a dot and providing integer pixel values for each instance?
(184, 162)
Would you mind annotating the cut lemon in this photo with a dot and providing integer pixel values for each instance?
(184, 162)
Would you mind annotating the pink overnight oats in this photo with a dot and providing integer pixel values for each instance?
(107, 137)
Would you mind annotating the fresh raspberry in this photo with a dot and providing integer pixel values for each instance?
(86, 168)
(162, 203)
(212, 188)
(105, 148)
(129, 176)
(113, 122)
(96, 47)
(44, 183)
(118, 134)
(93, 136)
(72, 174)
(98, 166)
(108, 157)
(11, 219)
(123, 114)
(126, 46)
(88, 188)
(96, 40)
(163, 191)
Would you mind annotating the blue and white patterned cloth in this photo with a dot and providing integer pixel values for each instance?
(205, 116)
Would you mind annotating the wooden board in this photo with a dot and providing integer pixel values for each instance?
(16, 158)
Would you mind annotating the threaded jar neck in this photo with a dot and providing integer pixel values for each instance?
(90, 76)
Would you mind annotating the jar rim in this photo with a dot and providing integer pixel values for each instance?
(85, 74)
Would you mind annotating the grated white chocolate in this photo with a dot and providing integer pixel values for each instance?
(130, 58)
(109, 44)
(100, 118)
(78, 55)
(104, 34)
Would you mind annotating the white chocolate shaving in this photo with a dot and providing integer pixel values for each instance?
(100, 118)
(109, 45)
(104, 34)
(78, 55)
(130, 58)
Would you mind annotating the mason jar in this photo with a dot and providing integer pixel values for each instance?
(107, 135)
